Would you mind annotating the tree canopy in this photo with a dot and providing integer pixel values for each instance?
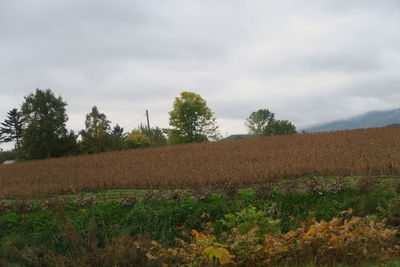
(280, 127)
(258, 120)
(136, 139)
(262, 122)
(44, 134)
(39, 129)
(96, 136)
(156, 135)
(191, 120)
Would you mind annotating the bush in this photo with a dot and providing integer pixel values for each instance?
(392, 212)
(249, 218)
(343, 240)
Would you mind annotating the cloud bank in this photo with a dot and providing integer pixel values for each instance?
(307, 61)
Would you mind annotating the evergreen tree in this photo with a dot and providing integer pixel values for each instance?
(11, 128)
(118, 131)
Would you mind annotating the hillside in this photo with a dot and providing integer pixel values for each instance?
(242, 162)
(367, 120)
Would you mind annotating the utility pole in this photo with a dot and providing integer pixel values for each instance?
(148, 126)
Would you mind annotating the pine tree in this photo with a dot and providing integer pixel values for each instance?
(11, 129)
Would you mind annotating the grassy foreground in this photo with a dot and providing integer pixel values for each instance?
(298, 222)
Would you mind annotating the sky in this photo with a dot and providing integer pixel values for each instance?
(306, 61)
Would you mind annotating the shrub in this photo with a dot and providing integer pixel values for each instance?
(343, 240)
(392, 212)
(249, 218)
(397, 187)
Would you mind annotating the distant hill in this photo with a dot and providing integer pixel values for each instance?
(367, 120)
(237, 136)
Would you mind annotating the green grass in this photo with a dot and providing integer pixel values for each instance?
(161, 219)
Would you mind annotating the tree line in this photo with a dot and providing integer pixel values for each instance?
(39, 131)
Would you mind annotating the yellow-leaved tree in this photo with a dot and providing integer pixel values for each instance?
(191, 120)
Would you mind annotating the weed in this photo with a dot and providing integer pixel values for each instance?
(264, 189)
(290, 187)
(23, 206)
(392, 212)
(315, 185)
(339, 185)
(4, 207)
(365, 184)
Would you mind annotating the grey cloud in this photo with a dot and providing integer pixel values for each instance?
(308, 60)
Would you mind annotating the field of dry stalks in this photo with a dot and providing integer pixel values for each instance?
(242, 162)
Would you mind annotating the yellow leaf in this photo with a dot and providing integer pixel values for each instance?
(220, 253)
(309, 232)
(199, 236)
(150, 257)
(334, 238)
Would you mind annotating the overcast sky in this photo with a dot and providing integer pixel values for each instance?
(307, 61)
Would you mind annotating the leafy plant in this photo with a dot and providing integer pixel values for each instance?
(342, 240)
(392, 212)
(249, 218)
(365, 184)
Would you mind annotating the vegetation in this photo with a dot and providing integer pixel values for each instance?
(324, 221)
(325, 199)
(11, 128)
(136, 139)
(156, 135)
(96, 136)
(191, 120)
(118, 131)
(45, 134)
(7, 155)
(142, 138)
(39, 129)
(262, 122)
(279, 128)
(258, 120)
(240, 162)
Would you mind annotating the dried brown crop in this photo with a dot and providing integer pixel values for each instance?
(242, 162)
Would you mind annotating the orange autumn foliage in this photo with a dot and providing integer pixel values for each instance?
(343, 240)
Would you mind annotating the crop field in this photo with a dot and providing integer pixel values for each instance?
(324, 199)
(241, 162)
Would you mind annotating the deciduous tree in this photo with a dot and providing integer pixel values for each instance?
(258, 120)
(96, 137)
(280, 127)
(156, 135)
(45, 131)
(136, 139)
(191, 120)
